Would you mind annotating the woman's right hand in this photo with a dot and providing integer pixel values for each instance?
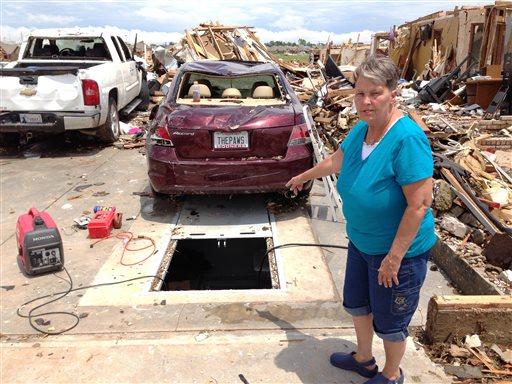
(295, 184)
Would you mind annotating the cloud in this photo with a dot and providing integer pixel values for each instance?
(156, 14)
(15, 35)
(50, 19)
(285, 21)
(10, 34)
(183, 16)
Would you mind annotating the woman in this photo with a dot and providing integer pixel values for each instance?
(385, 181)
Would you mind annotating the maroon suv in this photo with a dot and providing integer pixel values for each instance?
(227, 127)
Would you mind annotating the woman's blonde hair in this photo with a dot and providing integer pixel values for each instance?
(380, 70)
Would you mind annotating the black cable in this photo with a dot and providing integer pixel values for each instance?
(63, 294)
(265, 256)
(30, 314)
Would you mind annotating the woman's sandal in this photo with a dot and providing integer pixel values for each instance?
(348, 362)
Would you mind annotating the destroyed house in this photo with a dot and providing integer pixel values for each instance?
(348, 53)
(433, 45)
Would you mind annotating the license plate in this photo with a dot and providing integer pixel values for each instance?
(30, 118)
(235, 140)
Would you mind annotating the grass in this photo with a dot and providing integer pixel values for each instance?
(302, 57)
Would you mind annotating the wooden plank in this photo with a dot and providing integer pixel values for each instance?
(221, 28)
(414, 45)
(488, 316)
(475, 210)
(323, 120)
(134, 145)
(256, 40)
(225, 47)
(418, 120)
(191, 43)
(208, 54)
(470, 301)
(215, 43)
(341, 92)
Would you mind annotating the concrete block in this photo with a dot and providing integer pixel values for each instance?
(469, 280)
(443, 195)
(454, 226)
(506, 276)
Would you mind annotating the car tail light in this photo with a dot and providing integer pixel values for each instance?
(91, 92)
(299, 136)
(161, 137)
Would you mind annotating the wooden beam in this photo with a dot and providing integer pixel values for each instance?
(215, 43)
(208, 55)
(457, 316)
(418, 120)
(414, 45)
(332, 93)
(468, 202)
(206, 27)
(191, 43)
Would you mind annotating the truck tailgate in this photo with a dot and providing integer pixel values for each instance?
(41, 89)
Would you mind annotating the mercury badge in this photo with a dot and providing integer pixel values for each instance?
(28, 91)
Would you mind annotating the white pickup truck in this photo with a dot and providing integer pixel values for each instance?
(69, 79)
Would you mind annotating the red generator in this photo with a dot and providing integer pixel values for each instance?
(39, 243)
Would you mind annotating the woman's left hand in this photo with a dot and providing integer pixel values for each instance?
(388, 271)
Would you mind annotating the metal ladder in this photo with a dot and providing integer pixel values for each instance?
(334, 208)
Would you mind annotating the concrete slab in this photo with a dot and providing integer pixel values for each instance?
(280, 356)
(215, 217)
(176, 340)
(306, 277)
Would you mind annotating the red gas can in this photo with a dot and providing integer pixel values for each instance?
(102, 223)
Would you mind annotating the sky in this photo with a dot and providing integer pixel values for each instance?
(159, 21)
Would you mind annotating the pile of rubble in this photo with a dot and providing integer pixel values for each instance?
(213, 42)
(471, 359)
(219, 42)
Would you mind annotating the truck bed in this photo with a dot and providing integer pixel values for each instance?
(40, 69)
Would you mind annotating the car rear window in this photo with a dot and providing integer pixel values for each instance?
(67, 48)
(225, 87)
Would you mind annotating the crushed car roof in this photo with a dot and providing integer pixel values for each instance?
(229, 68)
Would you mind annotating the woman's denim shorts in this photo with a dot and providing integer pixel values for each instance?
(392, 308)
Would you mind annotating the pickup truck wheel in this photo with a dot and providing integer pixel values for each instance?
(109, 132)
(9, 139)
(144, 96)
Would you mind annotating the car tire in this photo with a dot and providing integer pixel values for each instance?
(9, 139)
(144, 96)
(109, 132)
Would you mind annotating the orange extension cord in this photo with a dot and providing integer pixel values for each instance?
(127, 238)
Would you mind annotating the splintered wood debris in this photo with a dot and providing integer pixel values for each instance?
(220, 42)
